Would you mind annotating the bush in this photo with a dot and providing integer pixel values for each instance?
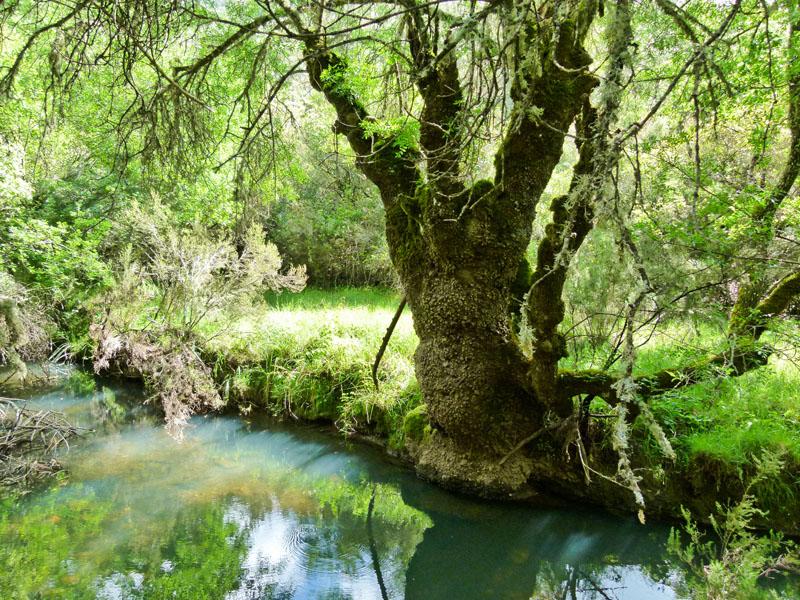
(49, 240)
(165, 290)
(731, 566)
(179, 277)
(24, 329)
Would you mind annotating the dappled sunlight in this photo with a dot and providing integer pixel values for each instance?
(307, 323)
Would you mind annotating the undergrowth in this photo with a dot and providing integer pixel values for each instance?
(734, 562)
(308, 355)
(716, 426)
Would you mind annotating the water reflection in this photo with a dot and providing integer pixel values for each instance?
(510, 552)
(243, 510)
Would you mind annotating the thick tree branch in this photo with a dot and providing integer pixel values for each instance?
(752, 322)
(746, 354)
(573, 214)
(393, 175)
(546, 101)
(738, 361)
(572, 221)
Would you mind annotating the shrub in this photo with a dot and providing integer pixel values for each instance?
(731, 566)
(165, 290)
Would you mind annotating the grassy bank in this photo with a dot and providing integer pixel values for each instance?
(308, 355)
(720, 427)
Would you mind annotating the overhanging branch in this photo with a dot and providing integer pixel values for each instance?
(737, 362)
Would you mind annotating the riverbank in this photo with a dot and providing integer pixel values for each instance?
(308, 357)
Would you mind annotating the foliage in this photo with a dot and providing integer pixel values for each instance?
(328, 217)
(49, 242)
(731, 564)
(173, 282)
(402, 133)
(180, 277)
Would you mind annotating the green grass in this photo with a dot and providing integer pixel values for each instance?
(727, 418)
(344, 297)
(674, 343)
(310, 355)
(719, 426)
(732, 419)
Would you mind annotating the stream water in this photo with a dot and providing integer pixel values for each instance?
(244, 508)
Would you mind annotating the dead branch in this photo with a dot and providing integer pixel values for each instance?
(29, 440)
(385, 342)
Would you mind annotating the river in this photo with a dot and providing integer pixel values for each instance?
(245, 508)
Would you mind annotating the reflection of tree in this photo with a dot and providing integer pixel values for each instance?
(60, 547)
(328, 553)
(505, 553)
(281, 535)
(373, 547)
(36, 545)
(597, 582)
(230, 514)
(206, 553)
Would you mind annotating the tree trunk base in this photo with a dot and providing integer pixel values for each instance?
(440, 460)
(551, 480)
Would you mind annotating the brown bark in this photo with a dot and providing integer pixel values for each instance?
(572, 221)
(474, 379)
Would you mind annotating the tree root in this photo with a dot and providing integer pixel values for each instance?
(560, 425)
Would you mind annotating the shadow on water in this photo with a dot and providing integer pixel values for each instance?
(249, 509)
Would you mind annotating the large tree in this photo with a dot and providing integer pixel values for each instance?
(422, 92)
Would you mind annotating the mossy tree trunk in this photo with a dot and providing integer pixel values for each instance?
(458, 248)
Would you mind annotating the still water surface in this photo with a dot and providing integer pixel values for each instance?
(246, 509)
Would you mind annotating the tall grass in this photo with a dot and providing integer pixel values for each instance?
(310, 354)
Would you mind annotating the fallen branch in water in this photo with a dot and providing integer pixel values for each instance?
(182, 384)
(28, 439)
